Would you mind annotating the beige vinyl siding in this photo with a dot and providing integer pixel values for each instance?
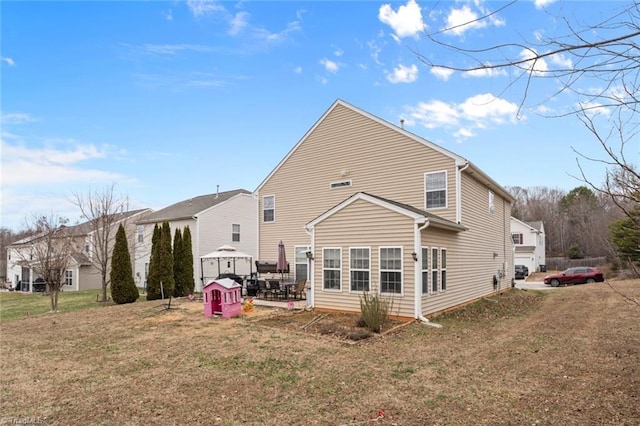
(363, 224)
(470, 261)
(347, 146)
(88, 277)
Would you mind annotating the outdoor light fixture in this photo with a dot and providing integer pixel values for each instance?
(495, 254)
(309, 255)
(414, 255)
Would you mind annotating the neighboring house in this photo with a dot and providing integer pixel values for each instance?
(363, 205)
(214, 220)
(82, 272)
(528, 244)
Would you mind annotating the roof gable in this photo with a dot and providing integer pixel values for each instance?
(419, 216)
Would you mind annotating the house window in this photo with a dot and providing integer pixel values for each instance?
(391, 270)
(302, 265)
(434, 270)
(235, 232)
(492, 206)
(68, 277)
(425, 270)
(443, 269)
(269, 208)
(436, 190)
(331, 268)
(517, 238)
(359, 272)
(140, 232)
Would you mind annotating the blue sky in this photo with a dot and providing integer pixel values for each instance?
(169, 100)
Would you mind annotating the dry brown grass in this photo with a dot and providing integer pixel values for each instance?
(570, 356)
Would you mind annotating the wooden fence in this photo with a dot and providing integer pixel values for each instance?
(562, 263)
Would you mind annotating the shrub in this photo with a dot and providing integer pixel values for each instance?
(375, 311)
(123, 286)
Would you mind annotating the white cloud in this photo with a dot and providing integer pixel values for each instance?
(406, 22)
(297, 70)
(540, 4)
(403, 74)
(15, 118)
(7, 60)
(264, 34)
(536, 67)
(441, 73)
(168, 49)
(463, 119)
(204, 7)
(463, 19)
(330, 65)
(338, 52)
(485, 72)
(486, 107)
(238, 23)
(562, 61)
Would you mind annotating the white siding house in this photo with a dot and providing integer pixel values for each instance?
(214, 220)
(528, 244)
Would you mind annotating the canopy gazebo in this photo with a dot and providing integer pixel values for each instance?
(227, 254)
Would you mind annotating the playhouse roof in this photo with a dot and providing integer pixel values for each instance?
(227, 283)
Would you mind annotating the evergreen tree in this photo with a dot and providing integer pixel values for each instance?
(153, 279)
(178, 265)
(187, 253)
(123, 286)
(165, 262)
(625, 235)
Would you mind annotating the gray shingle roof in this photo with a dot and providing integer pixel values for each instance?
(187, 208)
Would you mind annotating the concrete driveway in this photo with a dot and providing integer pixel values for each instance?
(533, 285)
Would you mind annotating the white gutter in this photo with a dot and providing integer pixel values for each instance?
(311, 263)
(461, 167)
(417, 248)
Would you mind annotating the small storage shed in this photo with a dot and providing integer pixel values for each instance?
(222, 297)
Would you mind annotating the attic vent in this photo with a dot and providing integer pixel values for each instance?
(341, 184)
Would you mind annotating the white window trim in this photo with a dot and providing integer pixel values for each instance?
(443, 268)
(446, 189)
(274, 208)
(333, 290)
(305, 262)
(436, 270)
(369, 270)
(401, 270)
(492, 202)
(426, 249)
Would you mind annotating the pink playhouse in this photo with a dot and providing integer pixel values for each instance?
(222, 297)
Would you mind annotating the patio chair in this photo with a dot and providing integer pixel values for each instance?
(273, 287)
(262, 289)
(299, 289)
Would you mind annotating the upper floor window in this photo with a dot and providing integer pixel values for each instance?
(235, 232)
(492, 204)
(359, 272)
(269, 208)
(140, 232)
(391, 270)
(436, 189)
(517, 238)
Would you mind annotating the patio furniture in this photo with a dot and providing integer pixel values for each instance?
(299, 288)
(274, 287)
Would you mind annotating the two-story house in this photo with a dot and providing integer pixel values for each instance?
(363, 205)
(529, 244)
(214, 220)
(84, 271)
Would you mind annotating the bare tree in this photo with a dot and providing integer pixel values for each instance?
(49, 251)
(607, 51)
(102, 210)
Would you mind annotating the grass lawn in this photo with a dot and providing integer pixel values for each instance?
(17, 305)
(568, 356)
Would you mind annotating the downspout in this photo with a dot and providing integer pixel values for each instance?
(461, 168)
(417, 248)
(311, 286)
